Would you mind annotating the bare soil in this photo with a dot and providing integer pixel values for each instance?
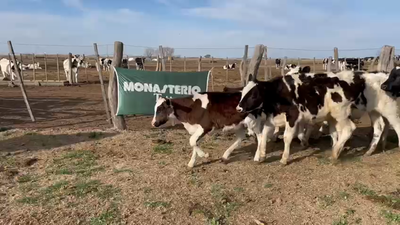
(70, 167)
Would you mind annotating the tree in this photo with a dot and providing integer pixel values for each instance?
(149, 52)
(207, 56)
(168, 51)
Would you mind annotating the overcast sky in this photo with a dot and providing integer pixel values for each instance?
(183, 24)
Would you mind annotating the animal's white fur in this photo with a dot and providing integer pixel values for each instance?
(203, 98)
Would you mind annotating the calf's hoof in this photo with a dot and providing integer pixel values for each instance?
(368, 153)
(283, 162)
(206, 155)
(224, 160)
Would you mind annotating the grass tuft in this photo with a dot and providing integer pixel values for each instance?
(163, 148)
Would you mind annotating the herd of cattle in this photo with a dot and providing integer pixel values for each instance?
(301, 102)
(78, 61)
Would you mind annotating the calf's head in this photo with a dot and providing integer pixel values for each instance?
(298, 70)
(392, 84)
(251, 98)
(162, 112)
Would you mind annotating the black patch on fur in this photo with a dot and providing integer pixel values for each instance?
(336, 97)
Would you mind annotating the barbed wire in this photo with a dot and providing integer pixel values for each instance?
(199, 48)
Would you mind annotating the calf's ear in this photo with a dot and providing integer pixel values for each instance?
(168, 102)
(251, 78)
(305, 69)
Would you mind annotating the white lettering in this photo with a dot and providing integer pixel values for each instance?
(184, 90)
(171, 88)
(156, 88)
(196, 89)
(139, 87)
(128, 86)
(164, 89)
(148, 87)
(158, 95)
(178, 89)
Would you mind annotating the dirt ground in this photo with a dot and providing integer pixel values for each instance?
(69, 167)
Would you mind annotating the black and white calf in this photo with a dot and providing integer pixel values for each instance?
(105, 63)
(350, 64)
(231, 66)
(277, 63)
(77, 61)
(207, 111)
(306, 99)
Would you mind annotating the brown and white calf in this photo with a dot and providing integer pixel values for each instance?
(207, 111)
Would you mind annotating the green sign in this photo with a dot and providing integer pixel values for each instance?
(138, 90)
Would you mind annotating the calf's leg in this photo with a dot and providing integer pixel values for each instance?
(194, 139)
(344, 128)
(379, 125)
(240, 135)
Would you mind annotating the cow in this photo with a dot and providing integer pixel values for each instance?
(105, 63)
(306, 99)
(231, 66)
(350, 64)
(139, 63)
(203, 112)
(382, 107)
(290, 66)
(277, 63)
(8, 68)
(77, 61)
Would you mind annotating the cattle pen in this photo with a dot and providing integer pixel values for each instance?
(71, 165)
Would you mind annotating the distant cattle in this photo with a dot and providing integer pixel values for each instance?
(76, 61)
(8, 68)
(229, 66)
(290, 66)
(277, 63)
(105, 63)
(350, 63)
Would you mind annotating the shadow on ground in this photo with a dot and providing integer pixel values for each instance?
(36, 142)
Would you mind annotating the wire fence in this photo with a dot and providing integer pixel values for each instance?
(50, 58)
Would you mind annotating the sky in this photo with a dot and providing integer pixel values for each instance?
(292, 28)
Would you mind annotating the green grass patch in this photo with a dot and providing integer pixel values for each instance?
(80, 162)
(268, 185)
(157, 204)
(25, 178)
(123, 171)
(391, 200)
(95, 135)
(391, 218)
(28, 200)
(163, 148)
(31, 133)
(327, 200)
(111, 216)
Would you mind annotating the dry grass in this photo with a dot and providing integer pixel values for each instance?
(70, 168)
(134, 178)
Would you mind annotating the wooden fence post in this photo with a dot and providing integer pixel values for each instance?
(21, 84)
(70, 80)
(170, 65)
(359, 63)
(184, 63)
(283, 66)
(9, 66)
(266, 64)
(118, 121)
(227, 71)
(314, 65)
(22, 63)
(45, 67)
(103, 91)
(255, 61)
(298, 61)
(161, 53)
(158, 63)
(386, 59)
(58, 68)
(34, 69)
(244, 61)
(199, 64)
(212, 62)
(329, 69)
(127, 61)
(336, 57)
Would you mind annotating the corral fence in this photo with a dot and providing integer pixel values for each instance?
(50, 67)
